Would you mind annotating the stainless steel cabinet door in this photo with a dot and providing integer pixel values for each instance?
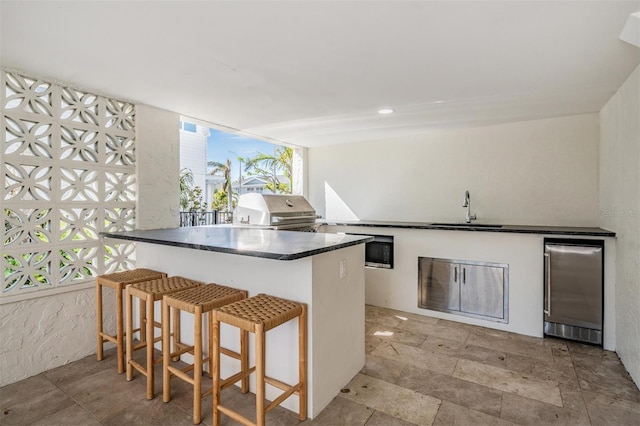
(439, 284)
(482, 290)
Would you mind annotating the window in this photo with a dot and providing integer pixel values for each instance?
(218, 160)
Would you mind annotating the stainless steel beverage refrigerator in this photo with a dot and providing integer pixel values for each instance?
(573, 289)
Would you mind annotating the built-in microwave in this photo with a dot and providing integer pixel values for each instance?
(379, 252)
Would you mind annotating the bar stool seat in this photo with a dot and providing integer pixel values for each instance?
(258, 315)
(149, 292)
(118, 281)
(197, 301)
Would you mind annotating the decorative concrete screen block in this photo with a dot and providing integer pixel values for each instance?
(68, 160)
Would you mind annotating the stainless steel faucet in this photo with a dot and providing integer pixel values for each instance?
(467, 203)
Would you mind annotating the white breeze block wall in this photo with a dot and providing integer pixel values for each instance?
(57, 326)
(620, 211)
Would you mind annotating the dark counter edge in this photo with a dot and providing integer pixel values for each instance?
(218, 249)
(515, 229)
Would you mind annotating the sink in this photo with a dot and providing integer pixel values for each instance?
(467, 225)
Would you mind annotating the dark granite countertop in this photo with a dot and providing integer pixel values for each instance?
(265, 243)
(518, 229)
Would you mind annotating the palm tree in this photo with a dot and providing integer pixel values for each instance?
(223, 169)
(267, 165)
(186, 183)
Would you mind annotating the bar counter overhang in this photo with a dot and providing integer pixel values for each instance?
(299, 266)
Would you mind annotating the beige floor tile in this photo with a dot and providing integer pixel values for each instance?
(444, 387)
(392, 334)
(526, 411)
(554, 343)
(417, 357)
(72, 415)
(543, 370)
(410, 317)
(451, 414)
(484, 355)
(608, 410)
(509, 344)
(342, 411)
(562, 356)
(605, 374)
(436, 330)
(106, 393)
(382, 368)
(84, 367)
(245, 404)
(585, 349)
(382, 316)
(154, 412)
(31, 400)
(443, 346)
(393, 400)
(462, 350)
(509, 381)
(371, 342)
(381, 419)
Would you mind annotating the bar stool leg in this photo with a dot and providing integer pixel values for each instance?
(166, 360)
(302, 363)
(197, 365)
(177, 338)
(214, 351)
(244, 358)
(99, 348)
(143, 320)
(129, 334)
(119, 331)
(209, 318)
(150, 339)
(260, 370)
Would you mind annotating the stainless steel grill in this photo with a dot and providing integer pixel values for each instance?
(281, 212)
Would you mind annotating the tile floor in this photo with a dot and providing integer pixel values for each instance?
(419, 370)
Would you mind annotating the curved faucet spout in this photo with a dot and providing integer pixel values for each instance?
(467, 203)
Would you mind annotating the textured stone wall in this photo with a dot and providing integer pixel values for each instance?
(47, 332)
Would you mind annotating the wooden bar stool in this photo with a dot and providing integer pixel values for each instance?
(197, 301)
(149, 292)
(258, 315)
(118, 281)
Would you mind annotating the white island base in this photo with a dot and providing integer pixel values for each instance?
(335, 312)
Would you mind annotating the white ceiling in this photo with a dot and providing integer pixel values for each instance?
(311, 73)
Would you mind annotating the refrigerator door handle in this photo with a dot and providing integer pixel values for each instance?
(547, 261)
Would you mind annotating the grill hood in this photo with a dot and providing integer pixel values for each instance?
(292, 212)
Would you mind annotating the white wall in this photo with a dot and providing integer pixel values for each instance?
(157, 168)
(620, 210)
(542, 172)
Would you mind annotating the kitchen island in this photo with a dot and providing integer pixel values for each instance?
(325, 271)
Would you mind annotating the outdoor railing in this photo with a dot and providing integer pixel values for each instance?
(205, 218)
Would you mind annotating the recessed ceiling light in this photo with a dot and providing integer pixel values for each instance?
(385, 110)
